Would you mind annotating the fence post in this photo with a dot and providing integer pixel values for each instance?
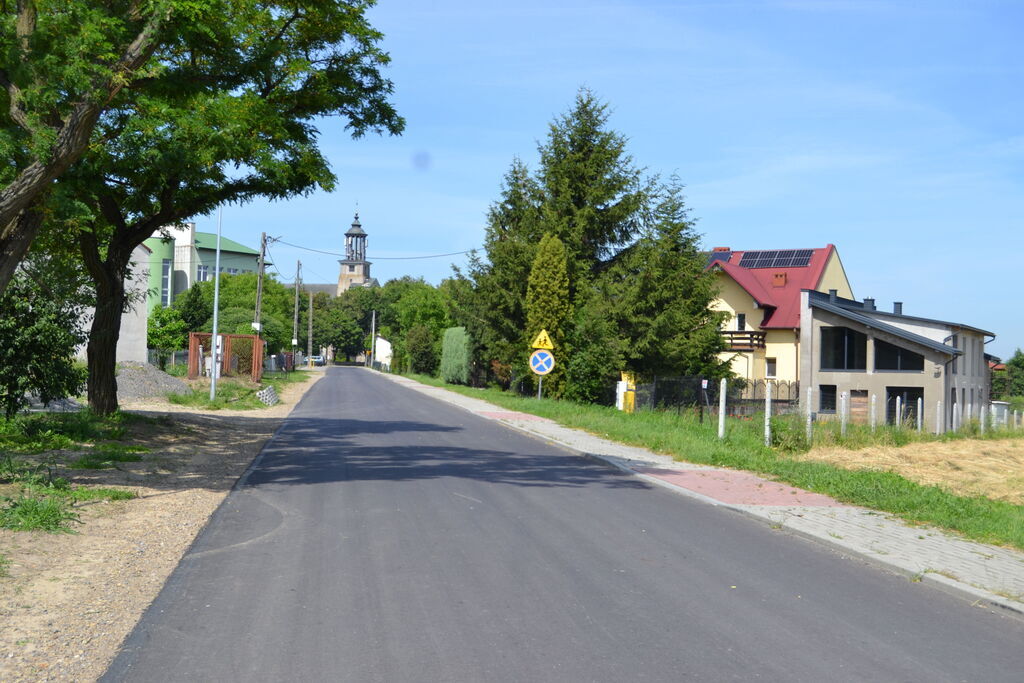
(810, 426)
(842, 414)
(981, 417)
(874, 413)
(938, 417)
(899, 412)
(721, 408)
(767, 412)
(920, 414)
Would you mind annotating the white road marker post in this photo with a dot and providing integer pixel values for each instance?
(842, 414)
(899, 412)
(810, 413)
(874, 413)
(767, 412)
(920, 414)
(938, 417)
(721, 408)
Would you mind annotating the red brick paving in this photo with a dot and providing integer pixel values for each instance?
(739, 488)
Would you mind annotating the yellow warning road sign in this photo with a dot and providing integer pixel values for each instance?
(542, 341)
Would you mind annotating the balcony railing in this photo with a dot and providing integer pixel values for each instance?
(748, 340)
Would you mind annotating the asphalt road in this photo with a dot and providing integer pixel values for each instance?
(385, 536)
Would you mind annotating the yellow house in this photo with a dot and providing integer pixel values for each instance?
(760, 290)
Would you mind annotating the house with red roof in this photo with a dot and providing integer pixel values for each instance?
(760, 290)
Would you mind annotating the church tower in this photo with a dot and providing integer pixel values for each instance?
(355, 269)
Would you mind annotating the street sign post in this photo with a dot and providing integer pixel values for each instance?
(542, 361)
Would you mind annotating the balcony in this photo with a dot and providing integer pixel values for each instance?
(748, 340)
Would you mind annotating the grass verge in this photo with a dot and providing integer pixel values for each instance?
(237, 393)
(685, 438)
(41, 500)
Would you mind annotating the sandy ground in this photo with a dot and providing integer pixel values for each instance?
(969, 467)
(70, 599)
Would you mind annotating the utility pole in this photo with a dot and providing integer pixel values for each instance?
(295, 324)
(309, 337)
(259, 283)
(216, 347)
(373, 337)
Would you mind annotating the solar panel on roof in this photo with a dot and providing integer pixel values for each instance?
(719, 256)
(784, 258)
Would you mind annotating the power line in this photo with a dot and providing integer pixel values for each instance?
(377, 258)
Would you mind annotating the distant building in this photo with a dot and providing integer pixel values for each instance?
(186, 256)
(354, 268)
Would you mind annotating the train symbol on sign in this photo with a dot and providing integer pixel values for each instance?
(542, 361)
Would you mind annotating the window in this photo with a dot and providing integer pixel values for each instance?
(891, 357)
(908, 404)
(165, 283)
(843, 349)
(229, 271)
(351, 269)
(769, 367)
(741, 321)
(827, 398)
(202, 273)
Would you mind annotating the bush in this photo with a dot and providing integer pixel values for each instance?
(455, 356)
(419, 344)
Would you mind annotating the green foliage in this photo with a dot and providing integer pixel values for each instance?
(29, 513)
(630, 256)
(593, 354)
(38, 338)
(195, 306)
(1015, 374)
(455, 356)
(662, 297)
(237, 393)
(422, 349)
(166, 332)
(547, 302)
(335, 326)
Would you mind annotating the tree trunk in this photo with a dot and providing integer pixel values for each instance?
(102, 348)
(15, 241)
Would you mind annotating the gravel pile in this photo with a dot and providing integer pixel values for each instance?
(142, 380)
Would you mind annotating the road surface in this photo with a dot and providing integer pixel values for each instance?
(385, 536)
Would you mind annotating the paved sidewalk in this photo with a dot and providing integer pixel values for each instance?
(988, 574)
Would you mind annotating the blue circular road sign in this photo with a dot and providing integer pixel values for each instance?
(542, 361)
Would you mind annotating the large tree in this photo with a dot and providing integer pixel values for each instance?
(247, 128)
(547, 301)
(65, 65)
(661, 296)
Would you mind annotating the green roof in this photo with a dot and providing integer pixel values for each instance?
(208, 240)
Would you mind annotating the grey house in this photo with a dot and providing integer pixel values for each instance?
(851, 352)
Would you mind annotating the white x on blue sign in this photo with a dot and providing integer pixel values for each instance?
(542, 361)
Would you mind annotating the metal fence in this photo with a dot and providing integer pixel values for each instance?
(699, 395)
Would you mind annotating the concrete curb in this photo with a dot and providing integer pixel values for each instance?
(947, 585)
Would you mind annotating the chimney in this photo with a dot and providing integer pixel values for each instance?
(778, 279)
(832, 294)
(869, 304)
(721, 249)
(897, 307)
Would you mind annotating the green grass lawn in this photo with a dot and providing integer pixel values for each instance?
(685, 438)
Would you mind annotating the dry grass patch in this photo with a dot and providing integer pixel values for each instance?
(967, 467)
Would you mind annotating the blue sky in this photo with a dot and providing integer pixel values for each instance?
(890, 129)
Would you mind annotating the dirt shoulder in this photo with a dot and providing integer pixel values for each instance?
(69, 600)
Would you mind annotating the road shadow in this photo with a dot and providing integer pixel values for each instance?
(322, 450)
